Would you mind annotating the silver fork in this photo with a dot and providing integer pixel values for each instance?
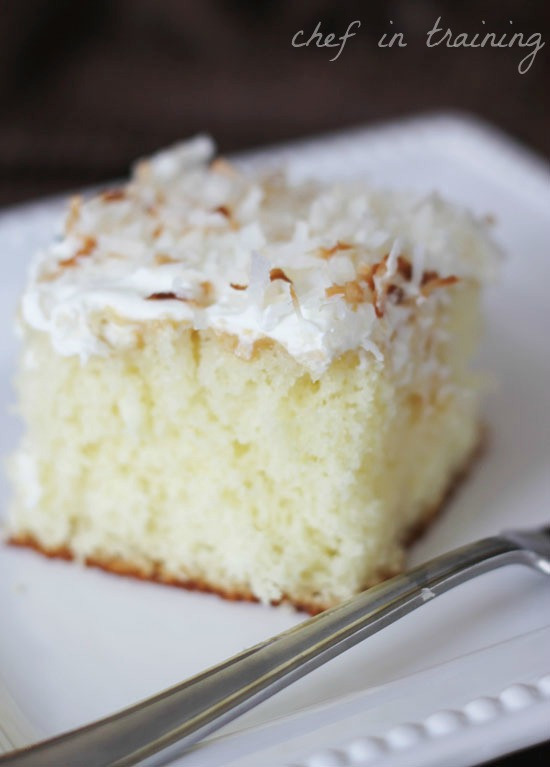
(162, 727)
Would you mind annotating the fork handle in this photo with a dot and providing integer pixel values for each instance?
(160, 728)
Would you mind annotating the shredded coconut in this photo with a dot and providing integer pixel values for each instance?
(184, 222)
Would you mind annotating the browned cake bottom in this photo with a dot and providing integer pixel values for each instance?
(156, 574)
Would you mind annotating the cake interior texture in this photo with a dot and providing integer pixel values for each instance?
(189, 463)
(177, 457)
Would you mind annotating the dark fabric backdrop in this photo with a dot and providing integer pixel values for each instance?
(86, 86)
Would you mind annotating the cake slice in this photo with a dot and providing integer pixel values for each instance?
(246, 384)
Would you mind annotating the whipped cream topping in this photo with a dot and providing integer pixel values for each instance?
(319, 268)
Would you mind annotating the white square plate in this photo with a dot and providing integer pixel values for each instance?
(463, 679)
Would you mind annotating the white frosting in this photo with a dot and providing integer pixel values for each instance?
(187, 227)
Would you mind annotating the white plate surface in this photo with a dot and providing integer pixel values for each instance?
(466, 677)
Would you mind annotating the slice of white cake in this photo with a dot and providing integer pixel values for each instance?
(243, 384)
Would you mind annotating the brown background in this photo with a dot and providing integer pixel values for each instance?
(86, 85)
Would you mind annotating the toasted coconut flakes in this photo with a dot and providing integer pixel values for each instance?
(335, 290)
(368, 272)
(438, 282)
(223, 167)
(282, 223)
(163, 297)
(295, 302)
(75, 204)
(396, 294)
(223, 210)
(352, 292)
(365, 274)
(380, 268)
(428, 276)
(205, 298)
(113, 195)
(329, 252)
(404, 267)
(164, 258)
(88, 245)
(379, 292)
(278, 274)
(66, 263)
(207, 294)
